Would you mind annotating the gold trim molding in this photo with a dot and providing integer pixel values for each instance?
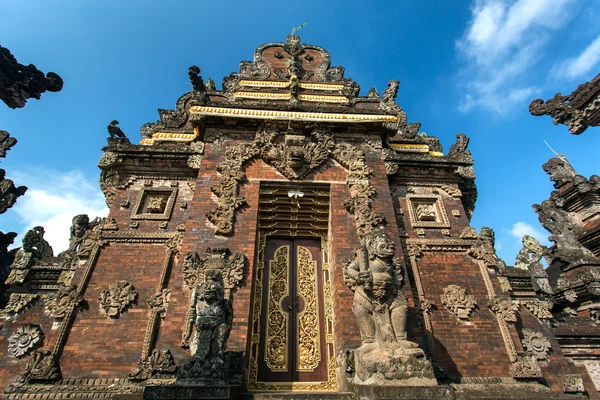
(284, 84)
(290, 115)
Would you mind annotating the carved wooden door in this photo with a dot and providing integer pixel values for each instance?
(292, 344)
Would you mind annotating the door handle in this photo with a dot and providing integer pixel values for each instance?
(291, 305)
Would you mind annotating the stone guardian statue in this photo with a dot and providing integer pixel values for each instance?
(385, 357)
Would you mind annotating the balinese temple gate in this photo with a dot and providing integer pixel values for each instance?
(281, 235)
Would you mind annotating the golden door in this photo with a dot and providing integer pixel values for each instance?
(293, 349)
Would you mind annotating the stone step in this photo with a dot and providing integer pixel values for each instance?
(298, 396)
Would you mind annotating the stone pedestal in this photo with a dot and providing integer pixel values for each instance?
(184, 390)
(392, 365)
(364, 392)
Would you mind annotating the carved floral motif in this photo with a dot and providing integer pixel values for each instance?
(17, 303)
(526, 367)
(117, 298)
(574, 383)
(231, 270)
(158, 303)
(42, 366)
(536, 343)
(63, 301)
(504, 307)
(25, 339)
(539, 308)
(457, 301)
(160, 360)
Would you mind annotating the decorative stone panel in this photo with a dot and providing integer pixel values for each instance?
(526, 367)
(593, 369)
(25, 339)
(504, 307)
(539, 308)
(574, 383)
(154, 203)
(457, 301)
(536, 343)
(427, 211)
(117, 298)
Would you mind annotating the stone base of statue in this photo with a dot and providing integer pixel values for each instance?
(393, 364)
(186, 390)
(364, 392)
(204, 379)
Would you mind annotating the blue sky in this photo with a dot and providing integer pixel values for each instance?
(463, 66)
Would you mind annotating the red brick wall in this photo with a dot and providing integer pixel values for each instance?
(99, 346)
(465, 348)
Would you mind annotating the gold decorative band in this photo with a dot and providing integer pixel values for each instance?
(323, 99)
(321, 86)
(290, 115)
(264, 83)
(170, 137)
(261, 95)
(410, 148)
(304, 85)
(287, 96)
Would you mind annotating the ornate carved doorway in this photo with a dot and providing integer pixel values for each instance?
(292, 328)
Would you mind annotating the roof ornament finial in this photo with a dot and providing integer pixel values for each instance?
(292, 44)
(296, 29)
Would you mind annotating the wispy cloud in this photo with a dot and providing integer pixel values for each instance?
(577, 67)
(53, 199)
(520, 229)
(503, 41)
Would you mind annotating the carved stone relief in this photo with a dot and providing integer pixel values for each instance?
(564, 231)
(115, 300)
(63, 301)
(593, 369)
(388, 104)
(526, 367)
(427, 211)
(21, 82)
(294, 161)
(574, 383)
(457, 301)
(17, 303)
(25, 339)
(34, 249)
(155, 203)
(504, 307)
(536, 343)
(158, 303)
(231, 270)
(458, 150)
(539, 308)
(529, 258)
(485, 250)
(42, 366)
(160, 360)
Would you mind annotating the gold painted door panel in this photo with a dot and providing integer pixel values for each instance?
(291, 328)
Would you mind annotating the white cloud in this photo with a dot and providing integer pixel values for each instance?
(53, 199)
(520, 229)
(503, 41)
(577, 67)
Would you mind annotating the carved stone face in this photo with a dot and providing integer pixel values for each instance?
(379, 244)
(295, 157)
(381, 288)
(294, 151)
